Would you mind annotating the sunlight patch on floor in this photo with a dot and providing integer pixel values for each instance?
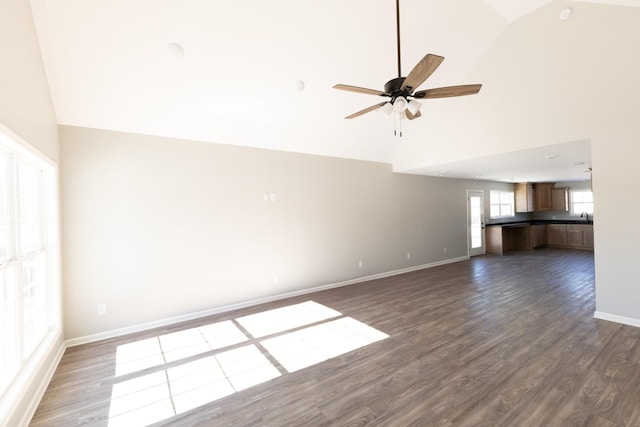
(285, 318)
(156, 351)
(176, 390)
(151, 397)
(309, 346)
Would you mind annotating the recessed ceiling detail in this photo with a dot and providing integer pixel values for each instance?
(175, 50)
(565, 13)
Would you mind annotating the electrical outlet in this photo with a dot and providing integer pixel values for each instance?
(408, 255)
(360, 264)
(102, 309)
(445, 250)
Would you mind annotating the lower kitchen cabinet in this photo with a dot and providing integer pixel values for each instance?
(501, 239)
(576, 236)
(580, 236)
(587, 236)
(519, 236)
(538, 236)
(557, 235)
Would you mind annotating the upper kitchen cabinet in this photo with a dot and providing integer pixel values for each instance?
(560, 199)
(525, 197)
(543, 196)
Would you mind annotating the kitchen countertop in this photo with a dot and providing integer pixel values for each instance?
(539, 222)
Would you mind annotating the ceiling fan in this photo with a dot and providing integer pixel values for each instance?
(400, 90)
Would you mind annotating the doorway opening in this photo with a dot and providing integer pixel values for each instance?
(475, 222)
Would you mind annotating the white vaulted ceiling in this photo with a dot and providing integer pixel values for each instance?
(109, 67)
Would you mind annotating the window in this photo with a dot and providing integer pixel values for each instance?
(581, 201)
(26, 188)
(501, 204)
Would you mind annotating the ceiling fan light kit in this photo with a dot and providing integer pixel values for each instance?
(413, 106)
(400, 90)
(387, 108)
(399, 105)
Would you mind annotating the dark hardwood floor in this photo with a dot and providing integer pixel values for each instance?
(493, 341)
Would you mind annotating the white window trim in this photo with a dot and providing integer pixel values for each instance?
(571, 211)
(513, 204)
(19, 400)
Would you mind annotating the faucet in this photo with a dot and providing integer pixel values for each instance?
(583, 214)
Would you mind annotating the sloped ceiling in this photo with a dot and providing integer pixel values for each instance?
(109, 67)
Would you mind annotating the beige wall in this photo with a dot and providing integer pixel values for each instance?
(615, 184)
(25, 101)
(156, 227)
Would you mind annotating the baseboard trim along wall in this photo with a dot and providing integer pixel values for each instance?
(618, 319)
(191, 316)
(32, 387)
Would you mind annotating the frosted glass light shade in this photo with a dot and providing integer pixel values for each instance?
(400, 104)
(387, 108)
(414, 106)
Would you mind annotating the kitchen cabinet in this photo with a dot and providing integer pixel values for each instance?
(580, 236)
(523, 236)
(576, 236)
(587, 236)
(501, 239)
(543, 196)
(560, 199)
(557, 235)
(525, 197)
(538, 235)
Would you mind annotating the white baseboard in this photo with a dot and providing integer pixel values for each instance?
(24, 396)
(618, 319)
(222, 309)
(42, 388)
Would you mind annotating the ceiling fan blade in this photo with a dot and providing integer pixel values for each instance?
(412, 116)
(445, 92)
(360, 90)
(421, 72)
(366, 110)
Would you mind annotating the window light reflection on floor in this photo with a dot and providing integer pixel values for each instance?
(309, 346)
(163, 394)
(151, 397)
(157, 351)
(286, 318)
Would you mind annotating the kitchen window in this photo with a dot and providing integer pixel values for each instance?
(501, 204)
(581, 201)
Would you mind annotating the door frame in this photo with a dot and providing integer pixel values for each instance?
(482, 250)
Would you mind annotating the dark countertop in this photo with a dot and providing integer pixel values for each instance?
(538, 222)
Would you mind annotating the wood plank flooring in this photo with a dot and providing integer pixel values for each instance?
(493, 341)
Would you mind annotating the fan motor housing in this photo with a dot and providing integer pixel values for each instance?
(393, 88)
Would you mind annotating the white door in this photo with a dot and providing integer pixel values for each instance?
(475, 222)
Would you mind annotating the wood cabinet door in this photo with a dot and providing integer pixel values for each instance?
(541, 235)
(560, 199)
(543, 196)
(574, 236)
(587, 236)
(557, 235)
(524, 197)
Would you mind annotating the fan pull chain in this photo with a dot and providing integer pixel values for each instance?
(397, 124)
